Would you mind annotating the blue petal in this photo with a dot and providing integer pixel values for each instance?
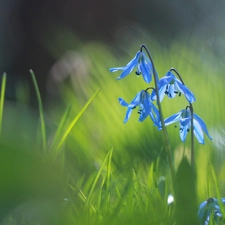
(143, 116)
(161, 94)
(116, 69)
(137, 100)
(153, 95)
(146, 68)
(173, 118)
(154, 113)
(187, 93)
(206, 208)
(155, 116)
(122, 102)
(128, 113)
(183, 132)
(223, 200)
(170, 74)
(128, 68)
(171, 91)
(145, 106)
(185, 121)
(202, 124)
(198, 132)
(204, 213)
(201, 210)
(164, 81)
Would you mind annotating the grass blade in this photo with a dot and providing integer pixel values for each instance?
(71, 125)
(41, 111)
(214, 177)
(59, 129)
(97, 177)
(2, 98)
(109, 172)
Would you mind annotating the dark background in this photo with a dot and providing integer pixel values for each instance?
(24, 24)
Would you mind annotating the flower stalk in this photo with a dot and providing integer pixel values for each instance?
(165, 133)
(170, 85)
(192, 122)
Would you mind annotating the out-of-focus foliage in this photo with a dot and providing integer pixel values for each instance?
(108, 172)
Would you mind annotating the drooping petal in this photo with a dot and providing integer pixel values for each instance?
(183, 132)
(137, 100)
(164, 81)
(202, 213)
(170, 74)
(143, 115)
(153, 95)
(146, 68)
(128, 113)
(162, 86)
(145, 106)
(223, 200)
(161, 94)
(198, 132)
(206, 208)
(122, 102)
(187, 93)
(116, 69)
(155, 116)
(185, 121)
(173, 118)
(171, 92)
(128, 68)
(202, 124)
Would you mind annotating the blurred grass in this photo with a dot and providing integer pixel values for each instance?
(129, 184)
(2, 99)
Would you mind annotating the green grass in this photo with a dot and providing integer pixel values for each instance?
(2, 98)
(98, 170)
(41, 111)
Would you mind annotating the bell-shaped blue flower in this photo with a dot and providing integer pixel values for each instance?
(184, 117)
(208, 208)
(142, 64)
(145, 108)
(171, 86)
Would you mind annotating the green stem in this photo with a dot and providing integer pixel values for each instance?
(165, 133)
(41, 110)
(192, 122)
(2, 98)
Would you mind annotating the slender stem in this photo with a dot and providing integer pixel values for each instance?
(148, 88)
(165, 133)
(2, 99)
(192, 122)
(41, 110)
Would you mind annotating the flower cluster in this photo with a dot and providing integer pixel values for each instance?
(208, 208)
(145, 108)
(184, 117)
(168, 85)
(142, 64)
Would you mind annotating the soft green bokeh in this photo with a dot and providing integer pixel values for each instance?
(110, 172)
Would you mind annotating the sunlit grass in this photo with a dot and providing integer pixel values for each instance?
(2, 99)
(108, 172)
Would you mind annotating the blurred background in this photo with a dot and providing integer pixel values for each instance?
(27, 28)
(70, 45)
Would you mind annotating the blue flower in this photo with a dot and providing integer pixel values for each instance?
(143, 65)
(184, 117)
(171, 86)
(208, 207)
(146, 108)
